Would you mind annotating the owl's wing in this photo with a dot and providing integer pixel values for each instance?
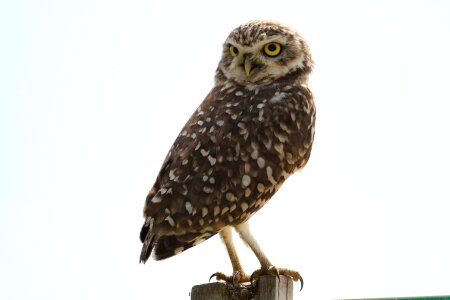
(180, 206)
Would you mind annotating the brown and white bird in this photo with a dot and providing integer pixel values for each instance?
(253, 130)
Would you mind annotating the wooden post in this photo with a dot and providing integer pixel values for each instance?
(268, 288)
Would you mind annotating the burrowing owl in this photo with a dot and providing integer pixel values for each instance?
(254, 129)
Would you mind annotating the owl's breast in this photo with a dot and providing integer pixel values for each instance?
(282, 127)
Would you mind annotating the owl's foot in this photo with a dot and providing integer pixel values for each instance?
(236, 278)
(274, 271)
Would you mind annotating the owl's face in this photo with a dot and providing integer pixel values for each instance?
(259, 52)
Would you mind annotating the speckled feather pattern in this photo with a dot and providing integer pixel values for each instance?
(233, 154)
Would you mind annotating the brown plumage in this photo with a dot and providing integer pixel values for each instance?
(254, 129)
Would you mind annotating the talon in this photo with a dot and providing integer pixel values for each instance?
(213, 275)
(255, 276)
(301, 282)
(251, 279)
(220, 276)
(236, 278)
(254, 284)
(273, 271)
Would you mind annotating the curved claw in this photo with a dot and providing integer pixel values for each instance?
(237, 277)
(274, 271)
(301, 282)
(251, 280)
(255, 276)
(213, 275)
(270, 271)
(220, 276)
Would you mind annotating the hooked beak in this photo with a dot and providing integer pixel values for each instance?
(247, 66)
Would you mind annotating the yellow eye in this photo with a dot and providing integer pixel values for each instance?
(272, 49)
(233, 51)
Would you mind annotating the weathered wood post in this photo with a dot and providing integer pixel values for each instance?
(268, 288)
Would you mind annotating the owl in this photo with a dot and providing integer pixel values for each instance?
(253, 130)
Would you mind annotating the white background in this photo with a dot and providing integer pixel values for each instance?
(93, 93)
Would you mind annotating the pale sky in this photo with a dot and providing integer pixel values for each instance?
(93, 93)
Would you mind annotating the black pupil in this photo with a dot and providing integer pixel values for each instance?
(234, 50)
(272, 47)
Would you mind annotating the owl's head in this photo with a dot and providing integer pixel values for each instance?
(260, 52)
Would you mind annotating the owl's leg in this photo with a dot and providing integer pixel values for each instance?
(238, 273)
(266, 266)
